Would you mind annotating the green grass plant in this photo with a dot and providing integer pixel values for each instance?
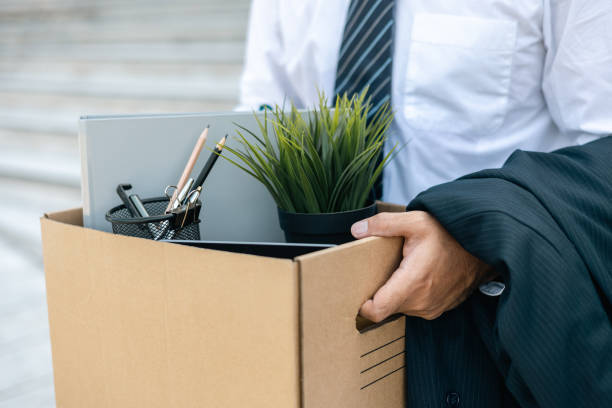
(324, 162)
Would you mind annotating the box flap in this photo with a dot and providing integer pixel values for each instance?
(72, 217)
(383, 206)
(340, 365)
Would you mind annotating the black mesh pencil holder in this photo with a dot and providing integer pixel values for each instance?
(180, 224)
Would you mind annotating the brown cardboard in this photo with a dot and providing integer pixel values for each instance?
(340, 280)
(138, 323)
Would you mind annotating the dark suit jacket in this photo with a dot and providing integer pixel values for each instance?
(544, 222)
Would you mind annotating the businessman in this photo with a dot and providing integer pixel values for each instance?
(473, 84)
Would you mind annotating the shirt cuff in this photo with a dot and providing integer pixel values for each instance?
(493, 288)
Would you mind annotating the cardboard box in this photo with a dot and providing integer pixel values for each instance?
(138, 323)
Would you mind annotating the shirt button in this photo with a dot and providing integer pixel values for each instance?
(452, 399)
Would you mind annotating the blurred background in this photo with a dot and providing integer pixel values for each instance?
(60, 59)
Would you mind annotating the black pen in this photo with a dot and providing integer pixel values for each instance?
(121, 191)
(209, 164)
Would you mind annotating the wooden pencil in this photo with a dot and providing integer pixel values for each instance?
(189, 166)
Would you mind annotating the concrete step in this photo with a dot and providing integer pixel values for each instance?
(44, 158)
(53, 144)
(36, 394)
(15, 9)
(39, 120)
(78, 105)
(184, 28)
(58, 114)
(222, 87)
(217, 52)
(41, 166)
(26, 378)
(29, 373)
(25, 202)
(161, 69)
(18, 276)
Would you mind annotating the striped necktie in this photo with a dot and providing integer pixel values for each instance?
(365, 56)
(366, 51)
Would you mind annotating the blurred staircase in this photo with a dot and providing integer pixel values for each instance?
(60, 59)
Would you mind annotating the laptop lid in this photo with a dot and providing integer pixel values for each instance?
(150, 151)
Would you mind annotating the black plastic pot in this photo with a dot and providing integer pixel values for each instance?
(325, 228)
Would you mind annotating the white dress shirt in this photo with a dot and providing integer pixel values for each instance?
(473, 80)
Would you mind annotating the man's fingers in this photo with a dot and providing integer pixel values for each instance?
(385, 302)
(379, 307)
(386, 224)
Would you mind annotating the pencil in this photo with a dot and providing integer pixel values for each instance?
(209, 163)
(189, 166)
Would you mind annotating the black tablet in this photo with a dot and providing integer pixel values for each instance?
(270, 249)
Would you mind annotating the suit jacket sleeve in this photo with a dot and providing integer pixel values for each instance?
(544, 222)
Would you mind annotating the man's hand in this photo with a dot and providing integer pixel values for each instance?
(436, 274)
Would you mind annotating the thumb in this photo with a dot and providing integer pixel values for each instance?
(384, 225)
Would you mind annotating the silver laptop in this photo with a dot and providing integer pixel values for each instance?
(150, 151)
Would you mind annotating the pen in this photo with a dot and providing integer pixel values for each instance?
(191, 200)
(156, 233)
(137, 203)
(195, 195)
(210, 163)
(180, 198)
(121, 189)
(188, 167)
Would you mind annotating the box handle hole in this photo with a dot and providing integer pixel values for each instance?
(363, 325)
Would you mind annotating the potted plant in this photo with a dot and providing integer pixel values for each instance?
(320, 168)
